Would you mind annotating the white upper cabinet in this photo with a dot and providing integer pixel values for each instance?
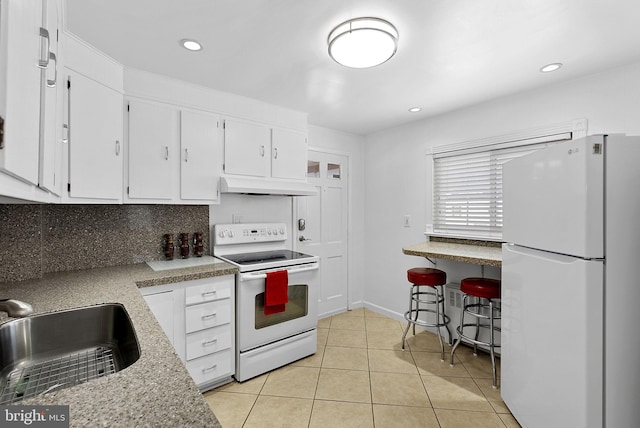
(172, 153)
(256, 150)
(94, 139)
(153, 150)
(247, 148)
(289, 154)
(199, 149)
(50, 173)
(24, 51)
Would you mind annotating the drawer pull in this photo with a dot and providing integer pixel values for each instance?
(208, 317)
(209, 369)
(209, 293)
(209, 342)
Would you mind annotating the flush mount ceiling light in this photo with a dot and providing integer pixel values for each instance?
(363, 42)
(191, 45)
(551, 67)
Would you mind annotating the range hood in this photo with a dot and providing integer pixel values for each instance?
(263, 186)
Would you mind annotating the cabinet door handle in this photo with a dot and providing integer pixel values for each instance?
(209, 369)
(52, 83)
(117, 147)
(209, 342)
(208, 317)
(209, 293)
(65, 133)
(166, 152)
(186, 155)
(262, 150)
(44, 54)
(275, 153)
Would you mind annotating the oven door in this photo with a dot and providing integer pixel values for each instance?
(300, 314)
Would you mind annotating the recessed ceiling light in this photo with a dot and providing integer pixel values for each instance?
(551, 67)
(363, 42)
(415, 109)
(191, 45)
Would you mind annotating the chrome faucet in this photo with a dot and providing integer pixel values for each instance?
(15, 308)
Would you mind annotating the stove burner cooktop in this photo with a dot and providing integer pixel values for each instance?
(249, 259)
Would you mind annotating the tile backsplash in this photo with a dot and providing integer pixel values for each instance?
(38, 239)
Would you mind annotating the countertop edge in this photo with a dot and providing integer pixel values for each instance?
(457, 252)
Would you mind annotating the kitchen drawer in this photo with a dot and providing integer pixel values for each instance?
(210, 289)
(208, 341)
(211, 367)
(207, 315)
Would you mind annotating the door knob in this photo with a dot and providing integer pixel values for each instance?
(302, 239)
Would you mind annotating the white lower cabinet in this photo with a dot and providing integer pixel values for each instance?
(161, 303)
(208, 341)
(212, 370)
(199, 320)
(207, 315)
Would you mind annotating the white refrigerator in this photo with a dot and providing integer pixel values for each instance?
(570, 296)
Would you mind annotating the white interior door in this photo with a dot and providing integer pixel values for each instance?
(324, 233)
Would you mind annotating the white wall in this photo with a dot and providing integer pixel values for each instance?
(352, 145)
(398, 171)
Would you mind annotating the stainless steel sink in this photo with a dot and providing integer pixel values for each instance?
(48, 352)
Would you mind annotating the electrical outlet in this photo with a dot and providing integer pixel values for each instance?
(236, 218)
(407, 221)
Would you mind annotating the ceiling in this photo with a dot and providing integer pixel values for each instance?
(451, 53)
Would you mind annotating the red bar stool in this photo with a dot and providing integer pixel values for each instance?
(489, 290)
(433, 280)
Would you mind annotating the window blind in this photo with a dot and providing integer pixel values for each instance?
(467, 186)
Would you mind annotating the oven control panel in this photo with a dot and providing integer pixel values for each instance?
(242, 233)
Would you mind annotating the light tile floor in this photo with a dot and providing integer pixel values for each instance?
(360, 377)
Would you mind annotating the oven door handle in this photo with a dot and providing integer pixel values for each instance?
(250, 276)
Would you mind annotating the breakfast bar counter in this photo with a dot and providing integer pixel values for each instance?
(469, 251)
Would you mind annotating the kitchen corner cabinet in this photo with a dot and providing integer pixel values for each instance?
(26, 64)
(162, 300)
(256, 150)
(172, 154)
(94, 139)
(198, 317)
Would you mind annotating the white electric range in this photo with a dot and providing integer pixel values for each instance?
(265, 342)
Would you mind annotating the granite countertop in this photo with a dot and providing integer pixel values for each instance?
(154, 391)
(476, 252)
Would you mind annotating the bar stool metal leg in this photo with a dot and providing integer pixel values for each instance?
(459, 339)
(432, 297)
(492, 342)
(445, 323)
(406, 330)
(425, 291)
(475, 310)
(475, 345)
(437, 296)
